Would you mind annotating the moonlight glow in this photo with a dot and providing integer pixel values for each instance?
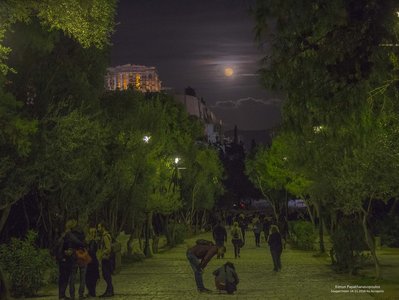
(228, 72)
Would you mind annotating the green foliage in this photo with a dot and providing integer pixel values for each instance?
(302, 235)
(180, 233)
(201, 180)
(336, 65)
(348, 246)
(25, 264)
(88, 22)
(72, 155)
(16, 136)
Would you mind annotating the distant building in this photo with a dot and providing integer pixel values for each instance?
(142, 78)
(197, 107)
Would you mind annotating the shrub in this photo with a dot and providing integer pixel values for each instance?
(303, 235)
(25, 264)
(348, 246)
(178, 233)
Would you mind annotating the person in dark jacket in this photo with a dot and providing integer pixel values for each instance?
(276, 247)
(236, 239)
(242, 222)
(266, 227)
(105, 247)
(256, 228)
(78, 233)
(92, 272)
(226, 278)
(67, 245)
(220, 236)
(199, 256)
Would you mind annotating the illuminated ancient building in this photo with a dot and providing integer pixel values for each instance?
(142, 78)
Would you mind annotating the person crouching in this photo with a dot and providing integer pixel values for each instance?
(199, 256)
(226, 278)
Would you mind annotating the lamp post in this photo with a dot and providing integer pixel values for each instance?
(148, 223)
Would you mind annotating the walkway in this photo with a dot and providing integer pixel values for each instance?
(168, 276)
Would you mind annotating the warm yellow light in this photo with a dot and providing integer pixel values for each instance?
(138, 82)
(228, 72)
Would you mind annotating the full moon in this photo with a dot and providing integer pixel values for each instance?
(228, 72)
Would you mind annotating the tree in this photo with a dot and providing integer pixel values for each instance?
(268, 173)
(332, 62)
(201, 184)
(90, 22)
(15, 146)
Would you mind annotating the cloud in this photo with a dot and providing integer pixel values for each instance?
(235, 104)
(249, 75)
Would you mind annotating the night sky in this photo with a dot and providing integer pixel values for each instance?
(191, 42)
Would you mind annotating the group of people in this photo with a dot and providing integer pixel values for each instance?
(80, 255)
(226, 277)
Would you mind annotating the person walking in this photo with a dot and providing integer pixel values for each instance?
(92, 272)
(106, 264)
(78, 233)
(220, 236)
(66, 246)
(276, 247)
(243, 225)
(266, 227)
(256, 228)
(236, 240)
(198, 257)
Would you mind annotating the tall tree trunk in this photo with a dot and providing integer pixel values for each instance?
(370, 242)
(4, 294)
(166, 229)
(147, 233)
(129, 244)
(393, 207)
(203, 220)
(321, 231)
(321, 235)
(5, 212)
(276, 215)
(196, 222)
(308, 208)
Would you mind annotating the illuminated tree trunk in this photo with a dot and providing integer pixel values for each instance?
(5, 212)
(370, 241)
(147, 231)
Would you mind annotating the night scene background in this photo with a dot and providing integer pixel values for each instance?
(191, 43)
(181, 149)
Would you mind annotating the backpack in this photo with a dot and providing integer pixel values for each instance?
(82, 257)
(203, 242)
(235, 234)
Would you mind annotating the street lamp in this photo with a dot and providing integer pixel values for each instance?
(177, 159)
(146, 139)
(147, 251)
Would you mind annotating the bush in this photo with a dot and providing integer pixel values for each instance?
(389, 231)
(303, 235)
(348, 246)
(178, 233)
(25, 264)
